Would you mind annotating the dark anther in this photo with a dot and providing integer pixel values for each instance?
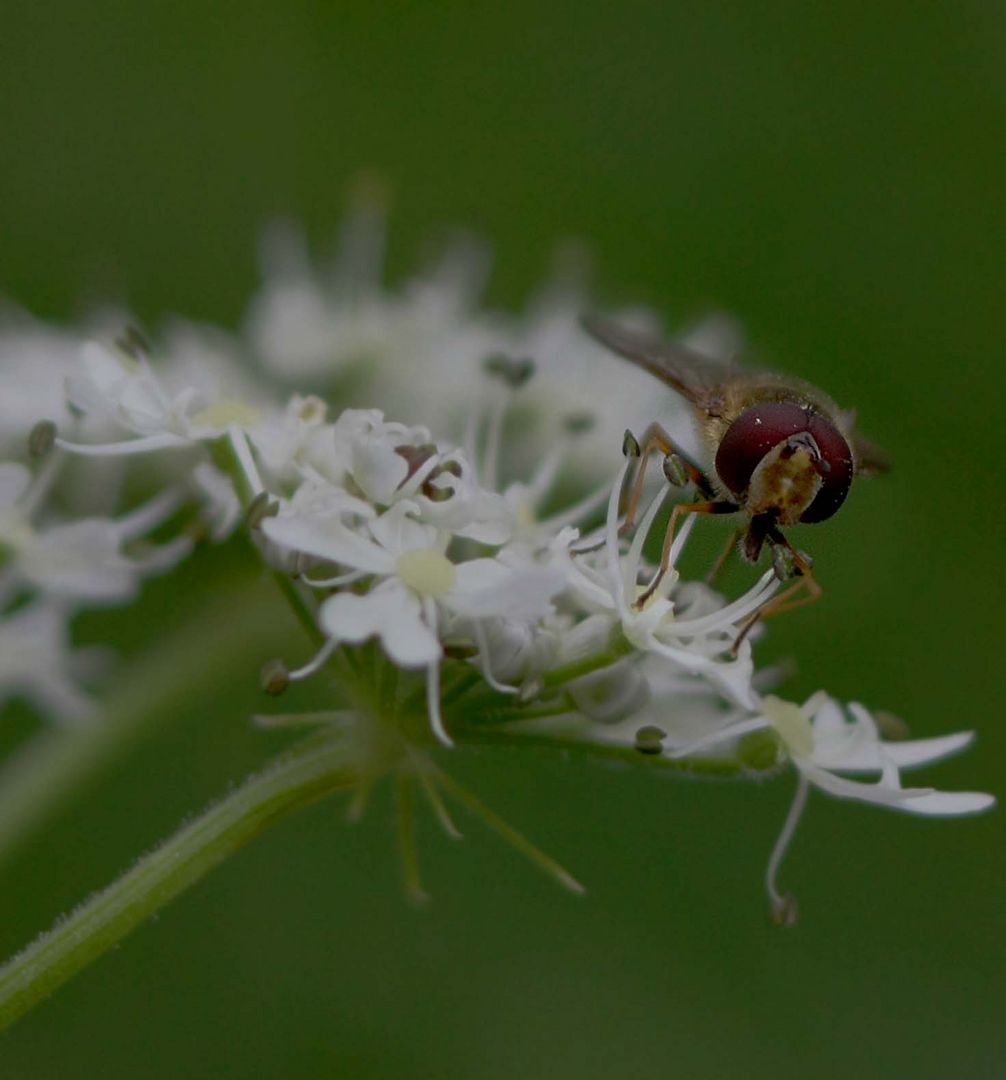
(630, 445)
(530, 690)
(460, 652)
(579, 423)
(132, 342)
(515, 373)
(650, 739)
(783, 563)
(891, 727)
(785, 911)
(275, 677)
(260, 508)
(674, 470)
(41, 438)
(415, 457)
(440, 494)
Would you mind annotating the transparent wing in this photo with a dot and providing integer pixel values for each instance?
(870, 458)
(696, 377)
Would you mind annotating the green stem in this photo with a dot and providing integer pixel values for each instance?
(313, 770)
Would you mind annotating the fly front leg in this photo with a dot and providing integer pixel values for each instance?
(678, 469)
(716, 506)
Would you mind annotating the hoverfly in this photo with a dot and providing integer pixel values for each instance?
(782, 452)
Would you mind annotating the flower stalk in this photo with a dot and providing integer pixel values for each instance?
(308, 773)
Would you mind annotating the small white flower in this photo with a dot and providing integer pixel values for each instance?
(824, 740)
(81, 560)
(415, 586)
(124, 390)
(38, 664)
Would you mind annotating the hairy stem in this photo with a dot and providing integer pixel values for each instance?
(308, 773)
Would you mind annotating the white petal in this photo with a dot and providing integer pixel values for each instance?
(328, 538)
(949, 803)
(391, 613)
(378, 468)
(880, 793)
(487, 587)
(908, 754)
(396, 530)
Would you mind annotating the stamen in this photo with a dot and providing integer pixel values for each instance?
(317, 662)
(260, 508)
(147, 517)
(783, 906)
(482, 642)
(41, 484)
(334, 582)
(579, 510)
(630, 566)
(146, 444)
(242, 451)
(41, 438)
(433, 681)
(274, 677)
(494, 439)
(543, 477)
(732, 613)
(650, 739)
(730, 731)
(615, 574)
(160, 557)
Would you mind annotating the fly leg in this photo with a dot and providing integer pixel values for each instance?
(716, 506)
(717, 567)
(678, 468)
(791, 563)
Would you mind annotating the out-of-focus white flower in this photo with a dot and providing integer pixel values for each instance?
(37, 663)
(123, 390)
(221, 506)
(82, 560)
(34, 361)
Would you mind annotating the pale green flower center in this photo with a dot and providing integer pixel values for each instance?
(791, 723)
(426, 571)
(525, 516)
(225, 412)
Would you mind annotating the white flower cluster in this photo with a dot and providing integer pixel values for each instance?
(464, 553)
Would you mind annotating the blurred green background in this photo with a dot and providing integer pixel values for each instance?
(835, 176)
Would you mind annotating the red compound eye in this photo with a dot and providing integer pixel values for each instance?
(762, 427)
